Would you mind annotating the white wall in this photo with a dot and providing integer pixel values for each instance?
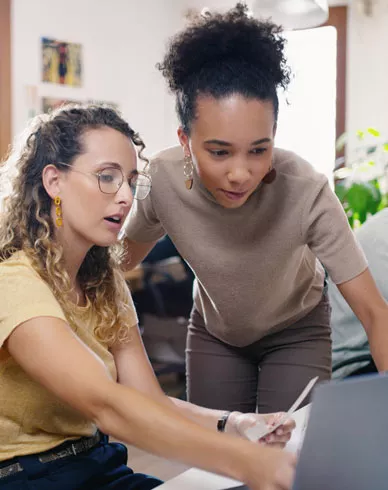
(367, 76)
(306, 122)
(122, 41)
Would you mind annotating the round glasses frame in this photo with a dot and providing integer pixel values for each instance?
(140, 183)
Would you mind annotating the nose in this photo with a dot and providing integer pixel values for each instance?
(124, 195)
(239, 174)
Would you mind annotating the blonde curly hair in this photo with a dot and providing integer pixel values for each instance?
(26, 224)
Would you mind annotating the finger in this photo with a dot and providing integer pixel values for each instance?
(277, 440)
(286, 428)
(284, 438)
(289, 424)
(273, 418)
(281, 431)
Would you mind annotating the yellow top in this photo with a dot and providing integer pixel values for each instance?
(31, 418)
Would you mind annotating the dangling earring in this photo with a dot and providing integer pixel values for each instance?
(188, 171)
(58, 212)
(270, 176)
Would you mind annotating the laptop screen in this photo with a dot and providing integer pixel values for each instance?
(346, 441)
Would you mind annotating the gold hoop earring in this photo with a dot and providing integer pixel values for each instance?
(188, 171)
(58, 212)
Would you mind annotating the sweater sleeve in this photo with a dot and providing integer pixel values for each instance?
(142, 223)
(329, 236)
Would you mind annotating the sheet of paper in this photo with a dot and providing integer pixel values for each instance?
(261, 429)
(301, 418)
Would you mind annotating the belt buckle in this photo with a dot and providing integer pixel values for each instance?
(73, 449)
(10, 470)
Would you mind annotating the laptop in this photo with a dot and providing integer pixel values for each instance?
(345, 445)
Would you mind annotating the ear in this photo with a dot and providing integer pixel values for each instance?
(50, 179)
(183, 140)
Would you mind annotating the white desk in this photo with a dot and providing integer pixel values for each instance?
(195, 479)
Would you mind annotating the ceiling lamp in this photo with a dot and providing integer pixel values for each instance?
(293, 14)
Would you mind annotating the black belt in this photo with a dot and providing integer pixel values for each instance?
(70, 448)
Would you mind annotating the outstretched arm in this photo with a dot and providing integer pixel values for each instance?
(130, 415)
(371, 309)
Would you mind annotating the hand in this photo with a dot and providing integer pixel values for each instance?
(239, 422)
(272, 469)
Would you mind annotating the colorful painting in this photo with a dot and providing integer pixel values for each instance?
(61, 62)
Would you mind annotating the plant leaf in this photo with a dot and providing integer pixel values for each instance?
(371, 149)
(343, 173)
(360, 134)
(373, 132)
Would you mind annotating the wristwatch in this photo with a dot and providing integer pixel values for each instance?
(221, 423)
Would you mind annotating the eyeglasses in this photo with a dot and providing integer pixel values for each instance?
(110, 180)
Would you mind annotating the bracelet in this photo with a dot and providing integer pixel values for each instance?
(221, 423)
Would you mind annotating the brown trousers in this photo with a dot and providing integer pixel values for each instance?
(266, 376)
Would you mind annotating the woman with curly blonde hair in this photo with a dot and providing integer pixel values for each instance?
(72, 364)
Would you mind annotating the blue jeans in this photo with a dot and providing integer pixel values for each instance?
(103, 467)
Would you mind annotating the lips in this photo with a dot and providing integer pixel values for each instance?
(114, 219)
(234, 195)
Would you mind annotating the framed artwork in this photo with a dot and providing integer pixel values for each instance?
(61, 62)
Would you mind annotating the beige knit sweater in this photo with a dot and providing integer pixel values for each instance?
(258, 267)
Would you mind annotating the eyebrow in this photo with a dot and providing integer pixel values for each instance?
(116, 165)
(225, 143)
(109, 164)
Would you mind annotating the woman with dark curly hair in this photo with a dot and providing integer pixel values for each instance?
(258, 225)
(72, 364)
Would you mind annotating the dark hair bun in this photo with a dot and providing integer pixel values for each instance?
(226, 38)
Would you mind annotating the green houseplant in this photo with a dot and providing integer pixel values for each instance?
(361, 177)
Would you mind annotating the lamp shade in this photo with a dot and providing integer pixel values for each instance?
(293, 14)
